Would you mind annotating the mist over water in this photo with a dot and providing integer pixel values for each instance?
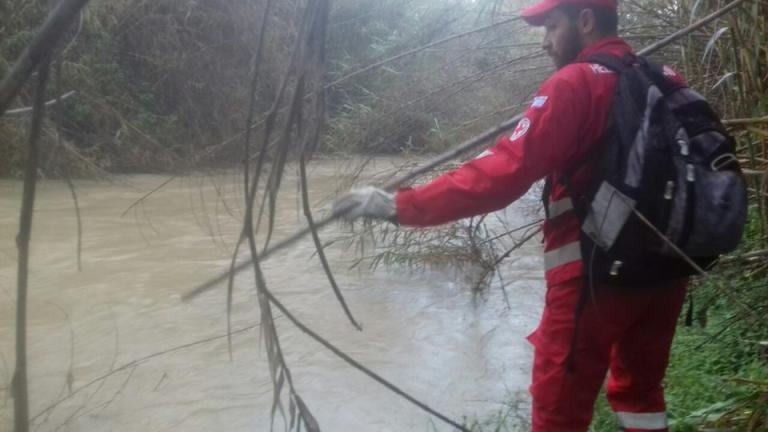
(461, 354)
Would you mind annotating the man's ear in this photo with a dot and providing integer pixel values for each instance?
(587, 22)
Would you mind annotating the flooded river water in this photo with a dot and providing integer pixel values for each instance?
(113, 348)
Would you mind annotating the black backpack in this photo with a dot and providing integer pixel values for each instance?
(668, 190)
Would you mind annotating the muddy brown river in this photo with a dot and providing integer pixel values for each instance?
(113, 348)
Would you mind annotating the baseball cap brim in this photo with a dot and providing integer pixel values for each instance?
(536, 14)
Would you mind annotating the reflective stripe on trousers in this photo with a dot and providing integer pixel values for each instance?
(562, 255)
(643, 421)
(628, 333)
(556, 208)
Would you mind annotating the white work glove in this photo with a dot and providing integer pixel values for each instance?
(368, 202)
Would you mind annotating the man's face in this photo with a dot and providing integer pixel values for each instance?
(562, 40)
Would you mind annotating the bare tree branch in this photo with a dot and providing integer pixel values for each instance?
(20, 391)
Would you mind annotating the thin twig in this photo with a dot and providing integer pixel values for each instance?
(59, 115)
(518, 245)
(76, 204)
(679, 252)
(319, 245)
(147, 195)
(415, 51)
(505, 255)
(745, 121)
(278, 368)
(354, 363)
(744, 257)
(135, 363)
(371, 67)
(26, 110)
(504, 234)
(695, 26)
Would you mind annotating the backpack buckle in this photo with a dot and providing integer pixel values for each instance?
(615, 268)
(722, 160)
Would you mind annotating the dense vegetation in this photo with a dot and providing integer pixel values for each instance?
(162, 85)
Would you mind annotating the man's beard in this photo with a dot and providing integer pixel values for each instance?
(571, 49)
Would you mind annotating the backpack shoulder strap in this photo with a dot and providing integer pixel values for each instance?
(619, 65)
(616, 64)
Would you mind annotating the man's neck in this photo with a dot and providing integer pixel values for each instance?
(615, 43)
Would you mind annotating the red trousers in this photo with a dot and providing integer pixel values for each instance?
(626, 332)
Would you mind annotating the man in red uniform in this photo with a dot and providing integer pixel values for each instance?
(577, 341)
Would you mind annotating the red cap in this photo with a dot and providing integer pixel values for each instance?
(535, 14)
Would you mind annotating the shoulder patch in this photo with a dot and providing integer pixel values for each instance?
(539, 101)
(668, 71)
(599, 69)
(521, 129)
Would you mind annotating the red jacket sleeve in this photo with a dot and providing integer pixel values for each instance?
(551, 135)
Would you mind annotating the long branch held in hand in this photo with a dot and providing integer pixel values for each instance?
(464, 148)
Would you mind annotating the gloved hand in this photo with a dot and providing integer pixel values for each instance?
(368, 202)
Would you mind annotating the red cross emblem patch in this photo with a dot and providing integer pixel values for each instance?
(521, 129)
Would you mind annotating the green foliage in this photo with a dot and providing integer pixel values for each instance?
(717, 378)
(511, 418)
(163, 85)
(426, 101)
(157, 82)
(463, 248)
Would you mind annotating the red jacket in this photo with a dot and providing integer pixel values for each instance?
(565, 120)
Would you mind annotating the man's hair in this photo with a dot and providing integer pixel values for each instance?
(606, 19)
